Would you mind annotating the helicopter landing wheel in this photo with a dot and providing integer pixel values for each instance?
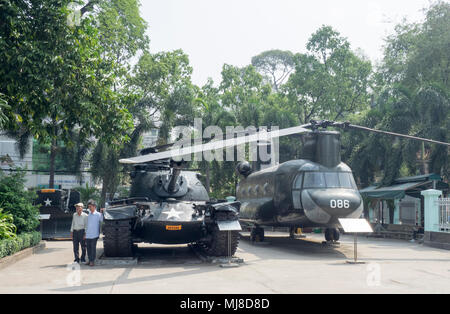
(332, 235)
(336, 235)
(257, 234)
(292, 232)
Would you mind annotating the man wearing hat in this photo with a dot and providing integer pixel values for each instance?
(94, 221)
(77, 232)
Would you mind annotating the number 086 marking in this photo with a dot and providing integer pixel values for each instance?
(340, 204)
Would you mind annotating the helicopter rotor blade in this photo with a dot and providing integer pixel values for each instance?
(262, 135)
(358, 127)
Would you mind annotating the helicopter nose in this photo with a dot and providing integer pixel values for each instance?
(327, 206)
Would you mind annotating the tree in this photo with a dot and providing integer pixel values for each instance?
(330, 81)
(244, 92)
(122, 29)
(54, 77)
(412, 97)
(218, 178)
(276, 65)
(121, 33)
(163, 83)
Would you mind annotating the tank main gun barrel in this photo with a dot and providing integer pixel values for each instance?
(171, 188)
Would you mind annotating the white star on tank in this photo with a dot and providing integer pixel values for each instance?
(48, 202)
(172, 213)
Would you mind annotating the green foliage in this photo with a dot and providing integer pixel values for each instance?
(163, 83)
(123, 192)
(330, 81)
(56, 78)
(64, 161)
(18, 202)
(121, 29)
(105, 165)
(3, 108)
(210, 109)
(411, 97)
(54, 73)
(88, 192)
(275, 65)
(16, 244)
(7, 227)
(244, 92)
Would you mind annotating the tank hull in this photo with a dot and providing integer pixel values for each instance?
(214, 226)
(181, 232)
(56, 208)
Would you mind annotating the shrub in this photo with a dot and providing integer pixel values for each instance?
(88, 192)
(22, 241)
(17, 201)
(7, 228)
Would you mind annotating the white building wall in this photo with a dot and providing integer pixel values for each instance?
(8, 147)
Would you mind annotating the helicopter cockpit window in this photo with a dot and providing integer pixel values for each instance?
(318, 180)
(298, 182)
(332, 180)
(347, 181)
(314, 180)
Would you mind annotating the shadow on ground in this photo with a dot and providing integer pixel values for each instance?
(166, 255)
(181, 261)
(302, 248)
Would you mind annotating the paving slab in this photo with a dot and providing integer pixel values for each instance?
(283, 265)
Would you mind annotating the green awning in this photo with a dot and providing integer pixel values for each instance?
(397, 191)
(421, 178)
(411, 186)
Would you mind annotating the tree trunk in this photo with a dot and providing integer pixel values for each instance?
(424, 163)
(103, 194)
(53, 149)
(208, 179)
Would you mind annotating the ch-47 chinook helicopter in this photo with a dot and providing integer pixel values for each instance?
(314, 191)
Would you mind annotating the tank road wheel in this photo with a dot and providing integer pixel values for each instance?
(257, 234)
(222, 243)
(117, 241)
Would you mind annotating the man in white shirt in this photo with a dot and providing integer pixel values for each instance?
(78, 233)
(94, 221)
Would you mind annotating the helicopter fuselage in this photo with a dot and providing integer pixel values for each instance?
(299, 193)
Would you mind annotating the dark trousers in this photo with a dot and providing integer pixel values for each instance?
(91, 249)
(78, 240)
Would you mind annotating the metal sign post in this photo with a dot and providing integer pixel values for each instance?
(355, 249)
(41, 218)
(355, 226)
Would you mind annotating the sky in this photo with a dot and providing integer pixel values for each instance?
(215, 32)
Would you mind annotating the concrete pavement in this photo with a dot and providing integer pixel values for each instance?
(281, 266)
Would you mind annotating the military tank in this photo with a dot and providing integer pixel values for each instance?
(169, 205)
(58, 206)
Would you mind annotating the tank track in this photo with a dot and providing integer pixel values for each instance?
(117, 241)
(221, 243)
